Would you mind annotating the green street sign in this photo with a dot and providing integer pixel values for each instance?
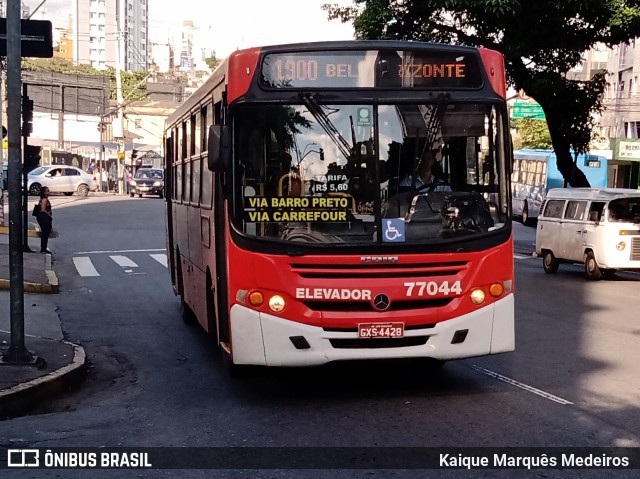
(527, 109)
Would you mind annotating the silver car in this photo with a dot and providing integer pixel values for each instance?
(61, 179)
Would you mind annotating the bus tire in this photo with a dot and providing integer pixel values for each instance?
(232, 369)
(188, 316)
(550, 263)
(212, 322)
(525, 215)
(591, 269)
(429, 364)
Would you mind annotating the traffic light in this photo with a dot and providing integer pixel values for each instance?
(27, 116)
(31, 157)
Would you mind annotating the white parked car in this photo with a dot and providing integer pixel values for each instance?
(61, 179)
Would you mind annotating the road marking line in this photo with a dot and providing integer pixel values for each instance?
(522, 256)
(121, 251)
(124, 262)
(526, 387)
(84, 266)
(160, 258)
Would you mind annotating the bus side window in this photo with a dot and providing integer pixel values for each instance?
(595, 211)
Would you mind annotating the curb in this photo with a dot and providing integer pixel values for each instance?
(17, 400)
(4, 230)
(52, 287)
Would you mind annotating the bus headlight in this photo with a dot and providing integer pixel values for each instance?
(621, 246)
(477, 296)
(276, 303)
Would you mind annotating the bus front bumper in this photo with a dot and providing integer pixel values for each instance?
(264, 339)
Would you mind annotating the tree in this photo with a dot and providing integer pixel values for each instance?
(532, 134)
(541, 41)
(134, 86)
(212, 61)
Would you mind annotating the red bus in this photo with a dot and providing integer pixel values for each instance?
(345, 200)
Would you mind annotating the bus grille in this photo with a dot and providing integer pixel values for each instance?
(366, 306)
(390, 270)
(378, 343)
(635, 249)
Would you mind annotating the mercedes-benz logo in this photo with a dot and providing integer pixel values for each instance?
(381, 302)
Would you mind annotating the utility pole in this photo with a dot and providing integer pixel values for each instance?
(25, 179)
(119, 98)
(17, 352)
(2, 127)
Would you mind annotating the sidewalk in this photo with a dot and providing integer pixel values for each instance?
(24, 387)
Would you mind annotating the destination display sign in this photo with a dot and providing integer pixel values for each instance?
(372, 69)
(259, 209)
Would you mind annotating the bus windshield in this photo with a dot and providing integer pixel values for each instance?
(346, 174)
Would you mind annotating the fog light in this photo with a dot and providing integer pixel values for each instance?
(477, 296)
(256, 298)
(496, 290)
(621, 246)
(459, 336)
(276, 303)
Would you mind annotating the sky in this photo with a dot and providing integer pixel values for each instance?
(229, 24)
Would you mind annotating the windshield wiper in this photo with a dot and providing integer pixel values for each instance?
(433, 128)
(327, 125)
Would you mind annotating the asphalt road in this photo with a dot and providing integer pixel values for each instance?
(156, 382)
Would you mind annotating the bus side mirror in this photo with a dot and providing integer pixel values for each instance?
(218, 148)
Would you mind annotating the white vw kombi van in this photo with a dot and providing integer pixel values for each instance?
(599, 227)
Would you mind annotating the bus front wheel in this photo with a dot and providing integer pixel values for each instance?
(188, 316)
(232, 369)
(549, 262)
(591, 268)
(525, 214)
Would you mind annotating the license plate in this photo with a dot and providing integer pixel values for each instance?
(380, 330)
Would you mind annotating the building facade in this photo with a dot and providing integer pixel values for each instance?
(620, 121)
(25, 10)
(100, 26)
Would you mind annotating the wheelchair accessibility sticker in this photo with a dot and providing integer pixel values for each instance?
(393, 230)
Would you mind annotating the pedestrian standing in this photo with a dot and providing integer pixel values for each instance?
(104, 178)
(127, 184)
(45, 220)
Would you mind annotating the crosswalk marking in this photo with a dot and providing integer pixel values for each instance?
(123, 261)
(84, 266)
(160, 258)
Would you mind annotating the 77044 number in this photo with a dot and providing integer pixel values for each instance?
(432, 288)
